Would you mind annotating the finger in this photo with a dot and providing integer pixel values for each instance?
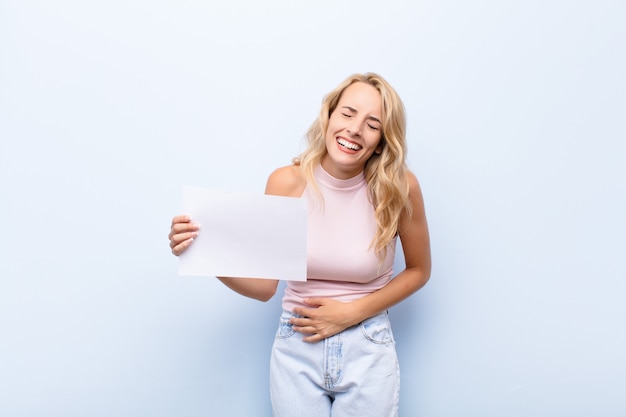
(181, 228)
(179, 238)
(304, 312)
(310, 330)
(314, 301)
(312, 339)
(183, 218)
(185, 227)
(301, 322)
(180, 248)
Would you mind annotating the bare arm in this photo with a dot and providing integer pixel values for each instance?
(285, 181)
(415, 240)
(330, 317)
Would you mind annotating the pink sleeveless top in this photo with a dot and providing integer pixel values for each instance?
(340, 262)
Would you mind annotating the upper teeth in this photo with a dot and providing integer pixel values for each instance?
(348, 144)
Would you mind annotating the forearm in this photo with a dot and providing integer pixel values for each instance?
(257, 288)
(402, 286)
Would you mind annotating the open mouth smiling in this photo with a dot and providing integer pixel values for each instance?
(349, 145)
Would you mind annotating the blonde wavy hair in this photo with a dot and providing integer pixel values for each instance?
(385, 173)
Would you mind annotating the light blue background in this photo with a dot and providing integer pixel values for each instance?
(517, 125)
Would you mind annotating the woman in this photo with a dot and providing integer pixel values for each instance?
(334, 351)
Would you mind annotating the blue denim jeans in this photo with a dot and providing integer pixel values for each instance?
(354, 373)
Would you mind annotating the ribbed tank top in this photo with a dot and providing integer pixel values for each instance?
(340, 262)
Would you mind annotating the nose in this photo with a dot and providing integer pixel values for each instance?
(354, 128)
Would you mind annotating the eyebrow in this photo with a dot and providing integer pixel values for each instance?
(353, 110)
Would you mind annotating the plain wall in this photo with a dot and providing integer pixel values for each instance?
(516, 129)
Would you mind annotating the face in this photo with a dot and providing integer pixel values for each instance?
(354, 131)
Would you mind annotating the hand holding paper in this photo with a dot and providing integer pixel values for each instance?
(251, 236)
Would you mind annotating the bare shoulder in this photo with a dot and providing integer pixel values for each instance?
(415, 195)
(286, 181)
(415, 191)
(413, 226)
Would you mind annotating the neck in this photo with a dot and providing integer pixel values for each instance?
(341, 173)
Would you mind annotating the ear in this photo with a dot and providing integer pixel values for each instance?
(379, 148)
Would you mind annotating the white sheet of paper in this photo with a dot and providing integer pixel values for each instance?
(243, 235)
